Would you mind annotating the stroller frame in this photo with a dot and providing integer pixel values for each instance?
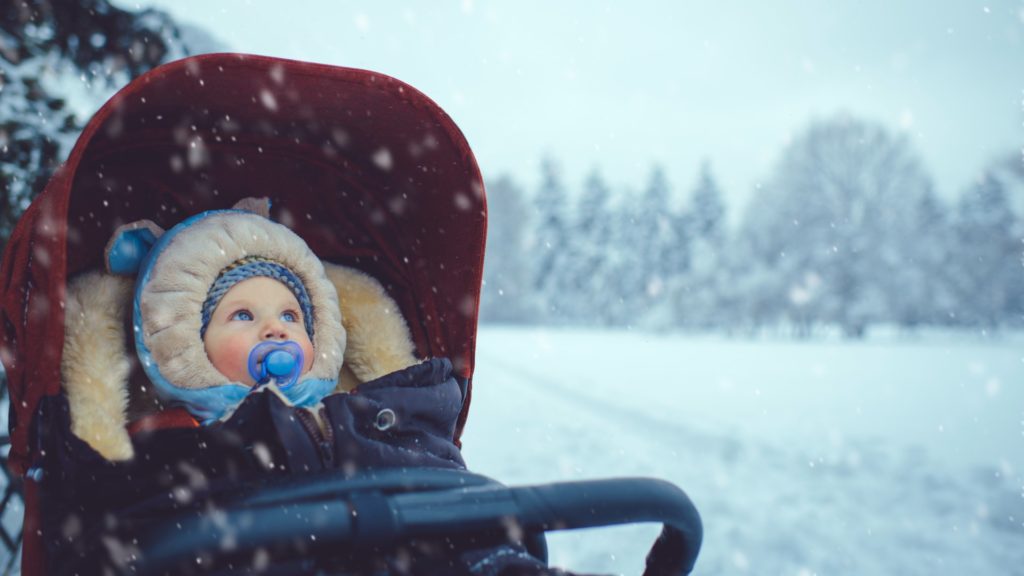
(369, 171)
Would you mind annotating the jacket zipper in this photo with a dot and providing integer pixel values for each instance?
(322, 436)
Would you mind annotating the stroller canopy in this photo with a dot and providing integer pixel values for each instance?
(366, 169)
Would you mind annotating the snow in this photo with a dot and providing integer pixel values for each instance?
(887, 456)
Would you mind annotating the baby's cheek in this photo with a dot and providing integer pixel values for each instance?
(231, 358)
(239, 359)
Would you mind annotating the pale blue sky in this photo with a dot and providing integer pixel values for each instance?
(623, 85)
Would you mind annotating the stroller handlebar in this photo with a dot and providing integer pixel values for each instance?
(564, 506)
(379, 513)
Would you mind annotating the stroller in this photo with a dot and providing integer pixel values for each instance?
(371, 174)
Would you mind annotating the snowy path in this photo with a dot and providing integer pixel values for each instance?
(803, 459)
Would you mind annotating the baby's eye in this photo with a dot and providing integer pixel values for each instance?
(289, 316)
(243, 315)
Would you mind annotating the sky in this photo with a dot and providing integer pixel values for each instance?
(620, 87)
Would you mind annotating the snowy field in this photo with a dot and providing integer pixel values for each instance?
(888, 456)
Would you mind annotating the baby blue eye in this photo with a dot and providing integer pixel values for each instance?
(244, 315)
(289, 316)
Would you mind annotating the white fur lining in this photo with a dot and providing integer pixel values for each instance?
(379, 341)
(95, 363)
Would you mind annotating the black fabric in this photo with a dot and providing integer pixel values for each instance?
(505, 560)
(90, 505)
(425, 400)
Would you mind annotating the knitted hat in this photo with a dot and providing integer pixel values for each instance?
(252, 267)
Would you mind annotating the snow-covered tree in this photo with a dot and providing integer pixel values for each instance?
(774, 284)
(589, 272)
(989, 280)
(58, 62)
(832, 221)
(699, 303)
(650, 239)
(506, 270)
(920, 290)
(1010, 171)
(552, 246)
(707, 206)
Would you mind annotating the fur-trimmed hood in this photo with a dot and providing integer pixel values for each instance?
(359, 333)
(175, 271)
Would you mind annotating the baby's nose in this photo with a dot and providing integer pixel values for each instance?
(274, 331)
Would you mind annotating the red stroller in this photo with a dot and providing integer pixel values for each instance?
(371, 174)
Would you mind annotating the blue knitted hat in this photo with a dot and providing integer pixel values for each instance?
(252, 267)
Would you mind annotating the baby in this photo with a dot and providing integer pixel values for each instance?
(223, 305)
(216, 287)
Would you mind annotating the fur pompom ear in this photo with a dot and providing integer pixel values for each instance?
(379, 340)
(129, 245)
(258, 206)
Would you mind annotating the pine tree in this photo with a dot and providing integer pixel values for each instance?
(588, 273)
(652, 244)
(707, 207)
(1009, 169)
(101, 46)
(699, 302)
(552, 248)
(506, 271)
(989, 280)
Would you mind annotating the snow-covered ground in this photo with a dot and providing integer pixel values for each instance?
(888, 456)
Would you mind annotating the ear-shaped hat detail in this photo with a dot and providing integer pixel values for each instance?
(258, 206)
(129, 246)
(130, 243)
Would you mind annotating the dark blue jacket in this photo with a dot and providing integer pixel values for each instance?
(404, 419)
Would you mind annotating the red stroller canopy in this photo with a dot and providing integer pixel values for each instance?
(366, 169)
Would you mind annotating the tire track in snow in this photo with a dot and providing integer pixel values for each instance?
(634, 420)
(809, 491)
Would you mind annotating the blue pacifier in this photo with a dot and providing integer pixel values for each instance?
(281, 362)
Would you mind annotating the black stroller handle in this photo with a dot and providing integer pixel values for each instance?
(565, 506)
(378, 512)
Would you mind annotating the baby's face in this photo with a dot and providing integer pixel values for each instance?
(252, 311)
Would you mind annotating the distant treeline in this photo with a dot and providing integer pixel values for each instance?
(847, 233)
